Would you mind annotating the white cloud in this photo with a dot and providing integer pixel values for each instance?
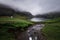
(27, 5)
(34, 6)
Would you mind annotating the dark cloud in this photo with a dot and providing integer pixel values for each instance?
(34, 6)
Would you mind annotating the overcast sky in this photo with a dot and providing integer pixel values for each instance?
(34, 6)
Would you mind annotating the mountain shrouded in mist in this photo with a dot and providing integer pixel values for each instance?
(34, 6)
(8, 11)
(50, 15)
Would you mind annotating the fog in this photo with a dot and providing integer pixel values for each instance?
(34, 6)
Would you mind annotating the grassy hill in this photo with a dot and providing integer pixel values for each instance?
(8, 26)
(12, 20)
(52, 30)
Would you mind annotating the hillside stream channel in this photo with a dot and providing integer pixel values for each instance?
(33, 32)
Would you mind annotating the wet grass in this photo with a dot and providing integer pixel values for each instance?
(6, 36)
(52, 31)
(7, 24)
(14, 22)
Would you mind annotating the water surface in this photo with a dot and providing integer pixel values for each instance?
(37, 19)
(32, 33)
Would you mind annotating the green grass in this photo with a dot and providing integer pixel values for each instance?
(52, 31)
(6, 23)
(53, 20)
(14, 22)
(6, 36)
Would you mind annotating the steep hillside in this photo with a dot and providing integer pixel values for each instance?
(8, 11)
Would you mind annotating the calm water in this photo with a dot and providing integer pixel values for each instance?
(38, 19)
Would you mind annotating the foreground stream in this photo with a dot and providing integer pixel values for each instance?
(32, 33)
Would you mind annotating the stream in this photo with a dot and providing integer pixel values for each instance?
(32, 33)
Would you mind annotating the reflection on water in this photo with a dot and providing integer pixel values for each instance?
(30, 38)
(37, 19)
(34, 32)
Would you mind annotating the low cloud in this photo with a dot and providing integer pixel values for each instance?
(34, 6)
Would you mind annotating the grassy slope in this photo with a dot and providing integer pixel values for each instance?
(15, 22)
(5, 23)
(52, 31)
